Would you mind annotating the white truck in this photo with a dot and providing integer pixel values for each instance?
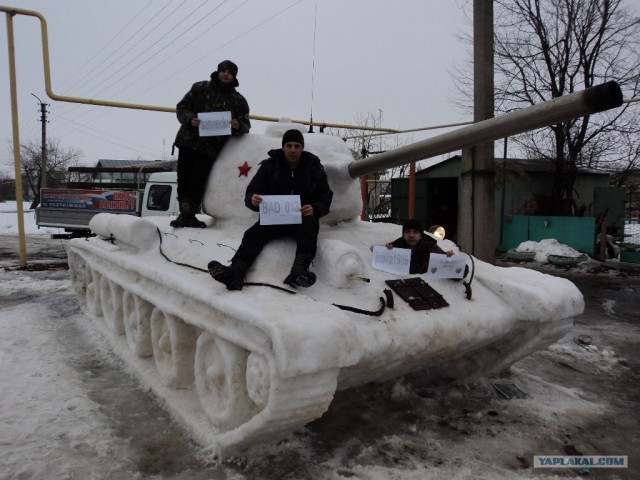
(72, 209)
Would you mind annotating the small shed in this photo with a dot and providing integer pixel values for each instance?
(522, 189)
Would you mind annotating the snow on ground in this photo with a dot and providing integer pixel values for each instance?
(547, 247)
(9, 220)
(56, 425)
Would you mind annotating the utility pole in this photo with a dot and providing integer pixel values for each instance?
(43, 159)
(477, 211)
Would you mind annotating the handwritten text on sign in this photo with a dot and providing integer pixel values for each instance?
(280, 210)
(213, 124)
(395, 260)
(441, 266)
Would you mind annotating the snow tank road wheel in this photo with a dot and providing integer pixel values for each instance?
(137, 324)
(111, 295)
(94, 305)
(79, 274)
(173, 343)
(258, 379)
(220, 369)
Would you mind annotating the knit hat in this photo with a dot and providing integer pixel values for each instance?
(233, 68)
(412, 224)
(293, 135)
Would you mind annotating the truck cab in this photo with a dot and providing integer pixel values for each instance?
(160, 195)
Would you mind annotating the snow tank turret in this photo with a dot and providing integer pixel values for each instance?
(238, 368)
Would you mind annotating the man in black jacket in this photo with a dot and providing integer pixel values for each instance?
(288, 171)
(420, 244)
(197, 154)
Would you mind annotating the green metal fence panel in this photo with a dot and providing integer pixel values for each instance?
(578, 233)
(515, 230)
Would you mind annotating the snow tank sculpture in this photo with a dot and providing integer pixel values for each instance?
(238, 368)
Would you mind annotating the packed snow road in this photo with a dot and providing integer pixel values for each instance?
(70, 410)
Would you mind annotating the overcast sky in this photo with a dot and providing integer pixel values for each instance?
(343, 59)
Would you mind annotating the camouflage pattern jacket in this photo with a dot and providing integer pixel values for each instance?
(210, 96)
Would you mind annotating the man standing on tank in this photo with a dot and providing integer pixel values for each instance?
(289, 170)
(197, 154)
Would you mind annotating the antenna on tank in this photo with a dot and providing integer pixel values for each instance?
(313, 64)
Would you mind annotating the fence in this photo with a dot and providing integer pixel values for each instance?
(631, 231)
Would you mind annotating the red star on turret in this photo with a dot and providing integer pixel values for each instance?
(244, 169)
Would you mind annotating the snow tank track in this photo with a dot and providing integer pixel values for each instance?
(218, 378)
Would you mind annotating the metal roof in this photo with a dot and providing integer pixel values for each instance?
(106, 163)
(526, 164)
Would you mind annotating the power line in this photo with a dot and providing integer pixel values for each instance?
(145, 50)
(104, 47)
(103, 62)
(162, 50)
(178, 70)
(178, 49)
(208, 54)
(107, 66)
(161, 47)
(141, 148)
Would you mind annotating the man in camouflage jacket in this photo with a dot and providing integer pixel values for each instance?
(197, 154)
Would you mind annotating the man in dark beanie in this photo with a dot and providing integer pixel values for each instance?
(228, 65)
(293, 136)
(420, 244)
(197, 154)
(289, 170)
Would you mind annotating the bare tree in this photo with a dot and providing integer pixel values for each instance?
(59, 160)
(548, 48)
(364, 143)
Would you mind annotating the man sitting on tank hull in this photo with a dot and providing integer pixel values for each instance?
(289, 170)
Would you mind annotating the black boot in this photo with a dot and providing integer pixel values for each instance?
(187, 217)
(300, 276)
(178, 222)
(232, 276)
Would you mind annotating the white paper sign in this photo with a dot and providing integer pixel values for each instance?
(441, 266)
(214, 124)
(395, 260)
(280, 210)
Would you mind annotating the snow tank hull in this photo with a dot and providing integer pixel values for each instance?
(239, 368)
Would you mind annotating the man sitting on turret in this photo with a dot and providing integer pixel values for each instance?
(420, 244)
(288, 171)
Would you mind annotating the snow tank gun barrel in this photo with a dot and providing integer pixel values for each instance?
(579, 104)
